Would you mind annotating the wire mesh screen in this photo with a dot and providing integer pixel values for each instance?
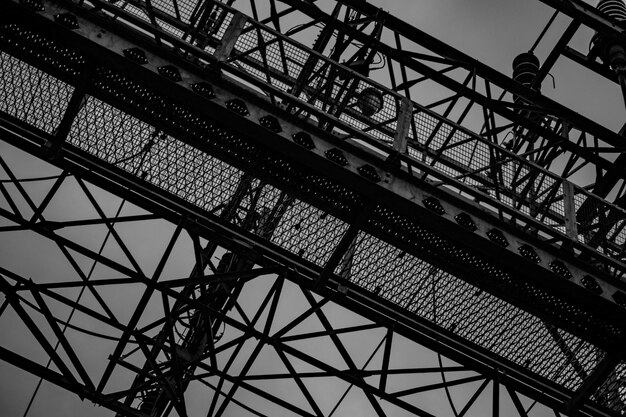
(207, 182)
(469, 312)
(612, 393)
(32, 95)
(309, 232)
(432, 140)
(317, 80)
(179, 9)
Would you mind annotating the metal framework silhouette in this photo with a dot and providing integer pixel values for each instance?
(263, 134)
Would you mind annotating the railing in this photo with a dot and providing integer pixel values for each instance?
(433, 147)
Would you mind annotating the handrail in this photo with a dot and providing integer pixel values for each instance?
(493, 175)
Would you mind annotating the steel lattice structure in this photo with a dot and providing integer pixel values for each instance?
(448, 232)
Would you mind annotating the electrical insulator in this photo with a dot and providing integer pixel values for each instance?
(610, 49)
(615, 9)
(525, 69)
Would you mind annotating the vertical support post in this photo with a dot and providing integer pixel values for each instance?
(621, 77)
(571, 228)
(345, 265)
(230, 37)
(404, 123)
(405, 114)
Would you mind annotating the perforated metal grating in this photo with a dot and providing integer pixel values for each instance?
(469, 312)
(612, 393)
(190, 173)
(193, 175)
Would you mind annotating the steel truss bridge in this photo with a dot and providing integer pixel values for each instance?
(321, 228)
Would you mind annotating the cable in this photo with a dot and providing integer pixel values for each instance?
(33, 179)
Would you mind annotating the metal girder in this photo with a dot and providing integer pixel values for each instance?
(357, 163)
(588, 15)
(58, 379)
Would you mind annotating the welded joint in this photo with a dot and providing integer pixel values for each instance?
(569, 208)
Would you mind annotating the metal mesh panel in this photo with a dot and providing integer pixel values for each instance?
(205, 181)
(185, 170)
(175, 17)
(483, 271)
(468, 311)
(32, 95)
(136, 11)
(218, 138)
(111, 135)
(139, 148)
(277, 62)
(454, 152)
(612, 393)
(188, 172)
(170, 29)
(309, 232)
(600, 225)
(328, 86)
(180, 9)
(217, 25)
(380, 125)
(475, 162)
